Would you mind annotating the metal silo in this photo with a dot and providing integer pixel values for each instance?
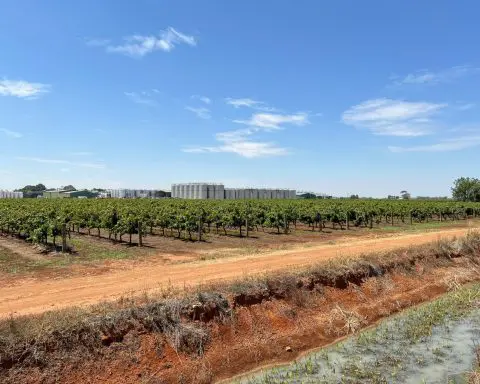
(219, 192)
(182, 191)
(202, 191)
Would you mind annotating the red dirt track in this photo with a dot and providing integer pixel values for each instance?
(38, 296)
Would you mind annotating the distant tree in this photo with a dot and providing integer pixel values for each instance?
(466, 189)
(405, 195)
(69, 188)
(32, 191)
(354, 197)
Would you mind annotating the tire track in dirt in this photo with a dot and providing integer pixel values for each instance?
(36, 297)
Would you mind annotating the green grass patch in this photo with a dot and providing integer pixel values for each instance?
(13, 263)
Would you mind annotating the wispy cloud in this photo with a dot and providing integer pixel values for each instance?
(140, 45)
(22, 89)
(249, 103)
(62, 162)
(12, 134)
(393, 117)
(433, 78)
(203, 99)
(202, 113)
(141, 98)
(446, 145)
(237, 142)
(274, 121)
(466, 107)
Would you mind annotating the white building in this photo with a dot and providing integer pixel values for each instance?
(219, 192)
(10, 195)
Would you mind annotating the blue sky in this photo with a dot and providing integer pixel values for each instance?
(338, 97)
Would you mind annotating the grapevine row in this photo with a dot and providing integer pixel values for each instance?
(44, 221)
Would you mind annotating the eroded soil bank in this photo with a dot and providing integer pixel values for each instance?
(268, 320)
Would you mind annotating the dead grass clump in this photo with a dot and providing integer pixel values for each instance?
(33, 341)
(350, 321)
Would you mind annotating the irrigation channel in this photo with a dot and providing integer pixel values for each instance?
(432, 343)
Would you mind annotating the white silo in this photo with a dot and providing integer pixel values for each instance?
(202, 191)
(196, 191)
(219, 192)
(293, 194)
(189, 191)
(183, 190)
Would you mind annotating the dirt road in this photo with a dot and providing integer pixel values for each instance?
(36, 296)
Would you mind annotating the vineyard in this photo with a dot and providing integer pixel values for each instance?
(45, 221)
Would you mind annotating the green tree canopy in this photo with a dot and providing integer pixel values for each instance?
(466, 189)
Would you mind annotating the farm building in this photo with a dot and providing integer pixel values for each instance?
(219, 192)
(137, 193)
(66, 194)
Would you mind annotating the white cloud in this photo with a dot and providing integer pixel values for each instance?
(62, 162)
(239, 143)
(203, 99)
(466, 107)
(446, 145)
(432, 78)
(248, 149)
(139, 45)
(12, 134)
(393, 117)
(274, 121)
(22, 89)
(249, 103)
(202, 113)
(141, 98)
(237, 103)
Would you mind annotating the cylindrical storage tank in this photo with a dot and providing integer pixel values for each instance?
(196, 191)
(202, 191)
(182, 191)
(293, 194)
(174, 190)
(219, 192)
(269, 194)
(241, 193)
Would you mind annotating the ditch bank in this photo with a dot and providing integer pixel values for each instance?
(220, 331)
